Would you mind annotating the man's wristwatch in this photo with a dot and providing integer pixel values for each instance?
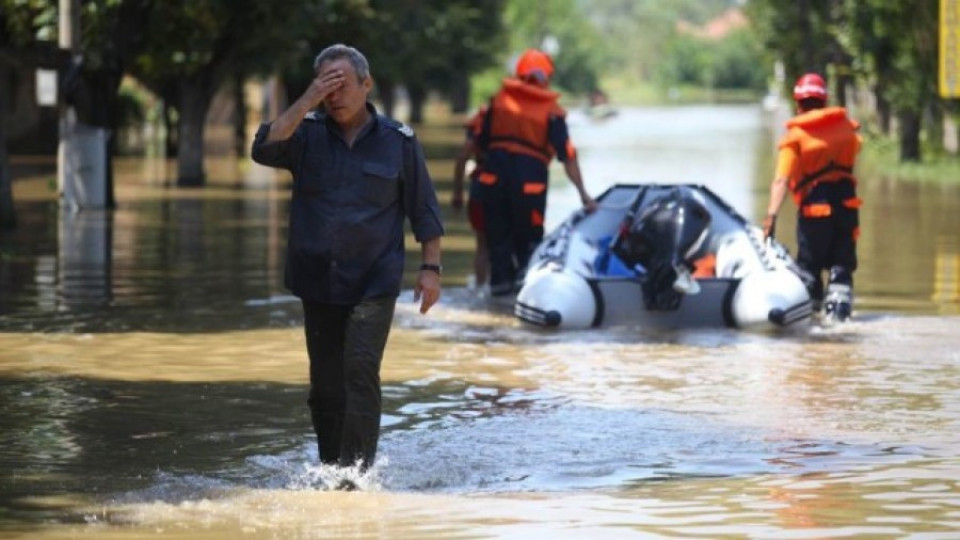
(432, 267)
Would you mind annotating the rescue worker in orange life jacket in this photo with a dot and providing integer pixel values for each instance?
(523, 130)
(815, 162)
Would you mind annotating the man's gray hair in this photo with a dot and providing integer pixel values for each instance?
(338, 51)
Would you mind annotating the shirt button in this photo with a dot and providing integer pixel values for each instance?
(333, 264)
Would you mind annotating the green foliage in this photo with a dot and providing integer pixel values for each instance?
(687, 60)
(887, 46)
(430, 43)
(879, 159)
(182, 37)
(636, 41)
(131, 106)
(583, 52)
(186, 37)
(25, 21)
(737, 62)
(485, 84)
(734, 61)
(637, 30)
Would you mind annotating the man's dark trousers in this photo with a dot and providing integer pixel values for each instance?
(346, 345)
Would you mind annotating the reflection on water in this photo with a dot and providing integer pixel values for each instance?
(84, 259)
(153, 377)
(946, 279)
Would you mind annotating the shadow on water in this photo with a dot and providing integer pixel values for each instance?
(184, 265)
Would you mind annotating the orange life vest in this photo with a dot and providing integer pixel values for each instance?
(475, 124)
(518, 119)
(820, 146)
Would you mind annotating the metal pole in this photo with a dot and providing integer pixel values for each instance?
(69, 19)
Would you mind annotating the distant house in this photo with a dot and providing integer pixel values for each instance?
(718, 27)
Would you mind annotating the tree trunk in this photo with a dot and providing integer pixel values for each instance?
(883, 110)
(951, 134)
(171, 125)
(109, 150)
(460, 94)
(8, 218)
(239, 117)
(385, 88)
(110, 82)
(194, 102)
(809, 54)
(934, 122)
(909, 122)
(843, 83)
(418, 97)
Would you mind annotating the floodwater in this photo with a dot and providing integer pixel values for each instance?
(153, 375)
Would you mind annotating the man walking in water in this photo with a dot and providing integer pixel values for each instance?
(356, 176)
(815, 162)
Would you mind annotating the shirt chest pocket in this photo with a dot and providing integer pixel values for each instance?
(380, 183)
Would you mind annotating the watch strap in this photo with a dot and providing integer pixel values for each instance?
(432, 267)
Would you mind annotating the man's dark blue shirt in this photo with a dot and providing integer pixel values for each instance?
(346, 239)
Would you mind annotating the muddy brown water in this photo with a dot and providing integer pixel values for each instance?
(153, 375)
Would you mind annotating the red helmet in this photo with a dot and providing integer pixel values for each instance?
(810, 85)
(535, 64)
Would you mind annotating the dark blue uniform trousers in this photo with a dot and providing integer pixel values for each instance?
(509, 210)
(829, 243)
(346, 345)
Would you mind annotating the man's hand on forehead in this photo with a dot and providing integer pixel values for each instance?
(331, 74)
(330, 71)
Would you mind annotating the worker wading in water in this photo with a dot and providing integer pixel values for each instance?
(523, 130)
(815, 162)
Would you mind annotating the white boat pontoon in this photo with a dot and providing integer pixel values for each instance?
(667, 256)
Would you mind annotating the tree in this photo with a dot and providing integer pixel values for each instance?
(888, 45)
(736, 62)
(17, 31)
(898, 41)
(795, 32)
(423, 45)
(110, 34)
(8, 217)
(582, 53)
(191, 47)
(468, 39)
(640, 28)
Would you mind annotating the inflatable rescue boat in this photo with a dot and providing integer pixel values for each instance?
(666, 256)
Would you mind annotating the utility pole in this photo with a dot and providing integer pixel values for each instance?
(85, 238)
(68, 40)
(69, 25)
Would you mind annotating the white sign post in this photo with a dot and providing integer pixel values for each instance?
(46, 87)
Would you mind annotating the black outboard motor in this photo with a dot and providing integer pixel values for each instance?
(665, 239)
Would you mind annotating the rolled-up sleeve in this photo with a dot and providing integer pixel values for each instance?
(420, 198)
(276, 153)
